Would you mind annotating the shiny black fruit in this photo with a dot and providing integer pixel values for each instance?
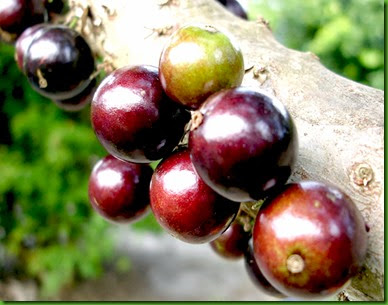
(235, 7)
(118, 190)
(24, 41)
(243, 143)
(133, 118)
(59, 62)
(18, 15)
(80, 101)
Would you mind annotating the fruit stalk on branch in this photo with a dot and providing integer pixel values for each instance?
(339, 122)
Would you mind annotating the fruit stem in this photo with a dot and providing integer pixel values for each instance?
(42, 80)
(295, 263)
(196, 119)
(246, 207)
(252, 207)
(245, 220)
(248, 213)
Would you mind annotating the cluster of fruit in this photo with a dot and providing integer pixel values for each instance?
(238, 146)
(56, 59)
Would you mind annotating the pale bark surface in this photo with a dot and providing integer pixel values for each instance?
(340, 122)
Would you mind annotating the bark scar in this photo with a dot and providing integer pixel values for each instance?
(260, 73)
(362, 174)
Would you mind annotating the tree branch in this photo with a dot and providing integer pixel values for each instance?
(339, 122)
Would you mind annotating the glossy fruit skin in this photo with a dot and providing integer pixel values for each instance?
(63, 58)
(133, 118)
(245, 145)
(17, 15)
(80, 101)
(37, 12)
(184, 205)
(198, 61)
(321, 225)
(256, 275)
(12, 15)
(24, 40)
(233, 243)
(234, 7)
(119, 190)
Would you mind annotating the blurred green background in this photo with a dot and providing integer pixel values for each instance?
(347, 35)
(48, 232)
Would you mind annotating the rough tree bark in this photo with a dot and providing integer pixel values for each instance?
(339, 122)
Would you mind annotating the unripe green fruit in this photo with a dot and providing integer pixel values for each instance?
(197, 62)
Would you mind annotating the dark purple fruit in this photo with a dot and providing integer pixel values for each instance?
(119, 190)
(232, 243)
(234, 7)
(23, 42)
(13, 13)
(184, 205)
(54, 6)
(59, 63)
(243, 143)
(256, 275)
(133, 118)
(197, 62)
(79, 101)
(37, 11)
(17, 15)
(309, 240)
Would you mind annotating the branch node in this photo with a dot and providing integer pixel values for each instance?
(260, 73)
(313, 55)
(362, 174)
(264, 22)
